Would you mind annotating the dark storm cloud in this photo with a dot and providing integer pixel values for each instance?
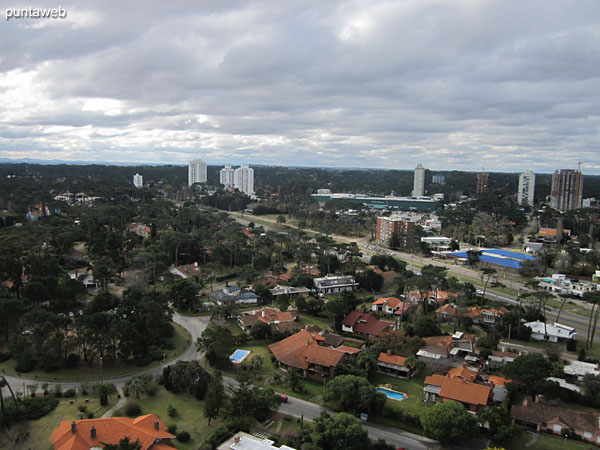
(504, 85)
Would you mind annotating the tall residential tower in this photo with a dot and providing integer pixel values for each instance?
(243, 179)
(419, 183)
(526, 188)
(226, 176)
(197, 172)
(567, 189)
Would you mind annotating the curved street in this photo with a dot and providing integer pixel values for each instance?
(295, 407)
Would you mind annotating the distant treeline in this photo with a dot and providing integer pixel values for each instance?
(288, 182)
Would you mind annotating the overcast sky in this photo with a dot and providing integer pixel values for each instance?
(451, 84)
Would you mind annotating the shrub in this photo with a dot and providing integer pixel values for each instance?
(172, 428)
(57, 391)
(183, 436)
(4, 356)
(171, 411)
(150, 388)
(90, 414)
(571, 345)
(69, 393)
(132, 408)
(72, 361)
(82, 408)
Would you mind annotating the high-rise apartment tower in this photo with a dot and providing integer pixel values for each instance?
(138, 180)
(197, 172)
(227, 176)
(243, 179)
(419, 182)
(567, 189)
(526, 188)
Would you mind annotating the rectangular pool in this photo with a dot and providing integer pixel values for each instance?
(238, 356)
(394, 395)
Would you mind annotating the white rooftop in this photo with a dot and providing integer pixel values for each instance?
(245, 441)
(556, 329)
(580, 368)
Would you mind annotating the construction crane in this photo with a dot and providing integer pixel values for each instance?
(579, 163)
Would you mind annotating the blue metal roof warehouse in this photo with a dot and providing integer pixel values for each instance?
(504, 258)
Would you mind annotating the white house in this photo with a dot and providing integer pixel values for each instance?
(333, 284)
(541, 331)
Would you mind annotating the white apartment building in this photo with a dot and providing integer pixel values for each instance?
(526, 188)
(419, 182)
(197, 172)
(243, 180)
(226, 176)
(138, 180)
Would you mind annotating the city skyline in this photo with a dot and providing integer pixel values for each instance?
(335, 84)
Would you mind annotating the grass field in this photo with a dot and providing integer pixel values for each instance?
(305, 319)
(39, 430)
(95, 372)
(190, 415)
(545, 442)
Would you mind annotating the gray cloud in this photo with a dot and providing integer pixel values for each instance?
(453, 85)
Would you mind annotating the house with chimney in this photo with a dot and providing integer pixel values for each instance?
(280, 320)
(364, 324)
(394, 365)
(391, 305)
(88, 434)
(306, 353)
(556, 420)
(460, 387)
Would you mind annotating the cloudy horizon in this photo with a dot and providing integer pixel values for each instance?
(466, 85)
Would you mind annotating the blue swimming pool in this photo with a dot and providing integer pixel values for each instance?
(391, 394)
(239, 355)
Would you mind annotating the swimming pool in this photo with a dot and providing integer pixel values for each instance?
(395, 395)
(238, 356)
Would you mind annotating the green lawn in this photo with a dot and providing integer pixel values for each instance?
(94, 372)
(545, 441)
(321, 322)
(190, 415)
(413, 389)
(40, 430)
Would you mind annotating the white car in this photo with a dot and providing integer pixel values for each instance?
(479, 292)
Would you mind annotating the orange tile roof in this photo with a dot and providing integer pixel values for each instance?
(463, 372)
(111, 430)
(498, 381)
(465, 391)
(347, 349)
(435, 379)
(440, 343)
(392, 302)
(392, 359)
(447, 308)
(301, 349)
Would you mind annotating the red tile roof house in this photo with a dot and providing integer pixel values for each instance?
(390, 305)
(93, 433)
(444, 388)
(280, 319)
(364, 324)
(557, 420)
(303, 352)
(446, 312)
(393, 365)
(432, 297)
(487, 316)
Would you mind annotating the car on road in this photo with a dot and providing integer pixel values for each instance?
(283, 398)
(479, 292)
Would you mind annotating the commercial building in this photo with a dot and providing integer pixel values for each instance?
(567, 190)
(383, 202)
(196, 172)
(526, 188)
(482, 182)
(386, 226)
(419, 182)
(138, 180)
(243, 179)
(226, 176)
